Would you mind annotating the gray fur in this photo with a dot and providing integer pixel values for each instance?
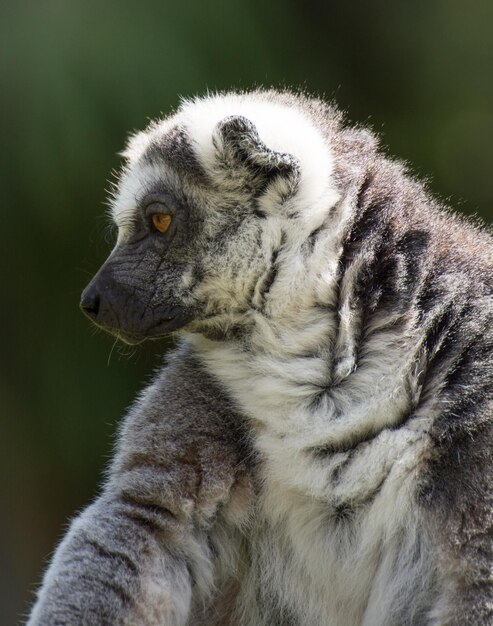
(179, 478)
(318, 451)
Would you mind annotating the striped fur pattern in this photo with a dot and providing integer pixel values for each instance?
(318, 451)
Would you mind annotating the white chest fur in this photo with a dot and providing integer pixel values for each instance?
(337, 529)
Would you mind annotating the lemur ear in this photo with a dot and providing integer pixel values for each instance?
(239, 148)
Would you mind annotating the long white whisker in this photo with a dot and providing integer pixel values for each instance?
(111, 351)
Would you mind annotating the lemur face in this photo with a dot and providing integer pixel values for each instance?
(200, 224)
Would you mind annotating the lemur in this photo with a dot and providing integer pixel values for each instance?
(318, 449)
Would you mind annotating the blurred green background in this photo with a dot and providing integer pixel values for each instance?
(76, 77)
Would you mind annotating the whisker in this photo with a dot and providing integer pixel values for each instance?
(111, 351)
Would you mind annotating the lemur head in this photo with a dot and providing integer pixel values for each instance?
(206, 202)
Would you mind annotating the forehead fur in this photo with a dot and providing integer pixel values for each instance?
(283, 125)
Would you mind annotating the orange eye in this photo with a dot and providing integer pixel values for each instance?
(161, 221)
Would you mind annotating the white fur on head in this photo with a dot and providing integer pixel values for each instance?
(282, 129)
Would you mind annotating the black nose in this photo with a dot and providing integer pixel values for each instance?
(90, 301)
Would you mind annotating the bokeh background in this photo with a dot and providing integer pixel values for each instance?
(76, 76)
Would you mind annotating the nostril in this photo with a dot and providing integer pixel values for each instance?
(90, 303)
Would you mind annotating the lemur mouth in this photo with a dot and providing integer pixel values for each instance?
(174, 320)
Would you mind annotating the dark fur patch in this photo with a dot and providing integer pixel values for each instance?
(343, 447)
(343, 512)
(116, 556)
(150, 515)
(271, 275)
(313, 236)
(175, 149)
